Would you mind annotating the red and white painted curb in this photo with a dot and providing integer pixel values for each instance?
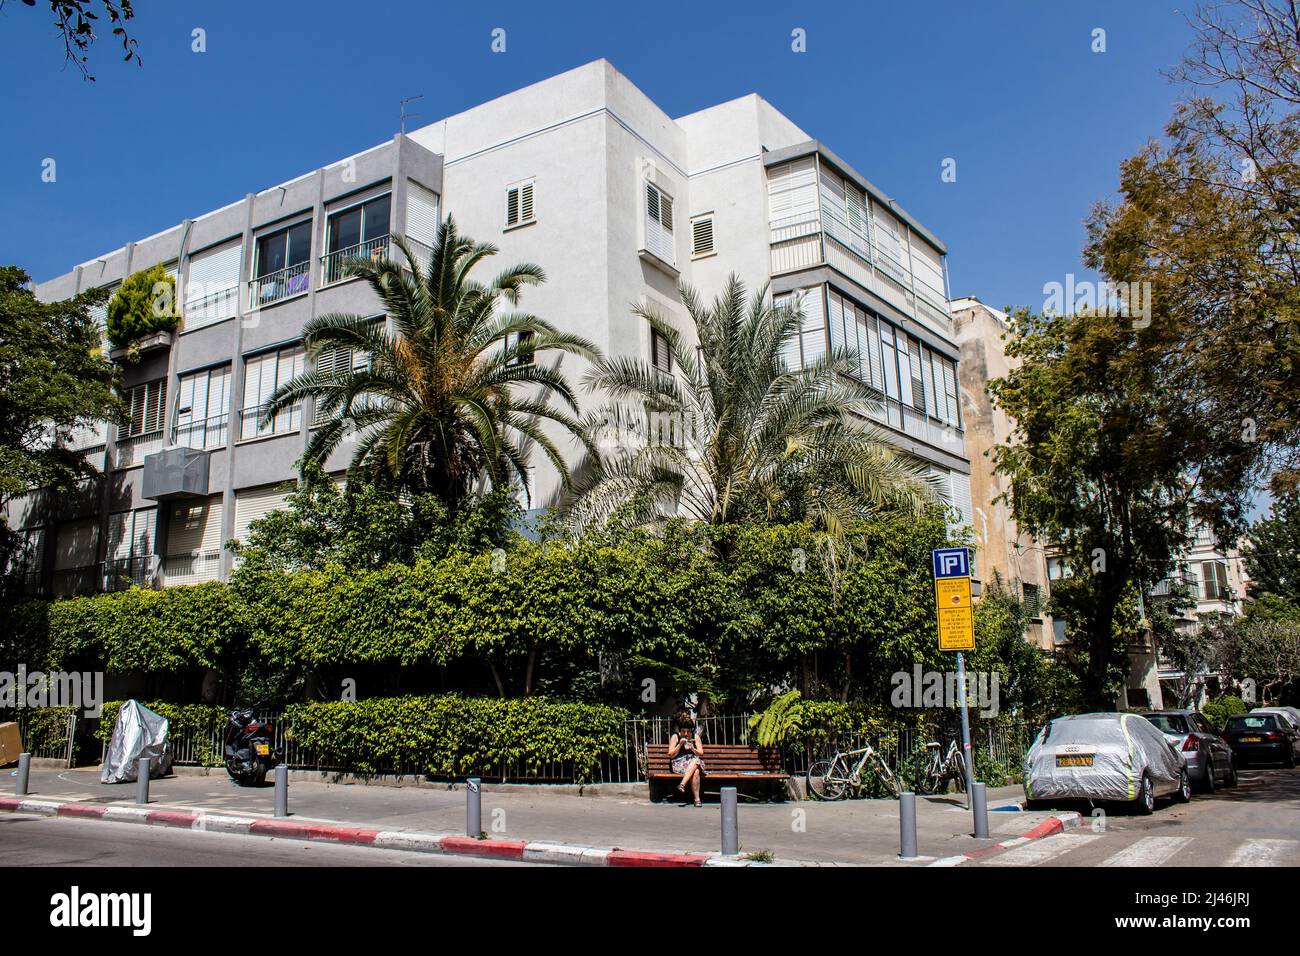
(1057, 823)
(450, 843)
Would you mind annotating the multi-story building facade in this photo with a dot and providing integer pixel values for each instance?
(581, 173)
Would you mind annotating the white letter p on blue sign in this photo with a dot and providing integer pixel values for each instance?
(951, 562)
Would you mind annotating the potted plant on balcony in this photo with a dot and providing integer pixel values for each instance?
(143, 313)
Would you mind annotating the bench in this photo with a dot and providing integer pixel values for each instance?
(729, 764)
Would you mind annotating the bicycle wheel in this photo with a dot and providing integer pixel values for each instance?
(957, 771)
(827, 780)
(886, 776)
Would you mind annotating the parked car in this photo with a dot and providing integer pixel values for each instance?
(1209, 758)
(1262, 738)
(1289, 712)
(1103, 757)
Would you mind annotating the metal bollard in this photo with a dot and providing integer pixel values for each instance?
(907, 825)
(142, 780)
(473, 807)
(281, 791)
(980, 808)
(730, 828)
(24, 770)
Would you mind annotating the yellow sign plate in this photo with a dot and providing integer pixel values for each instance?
(956, 620)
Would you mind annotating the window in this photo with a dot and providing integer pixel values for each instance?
(1032, 601)
(213, 285)
(659, 224)
(522, 340)
(806, 348)
(702, 236)
(1214, 574)
(519, 204)
(129, 557)
(661, 356)
(146, 402)
(203, 409)
(1058, 567)
(360, 231)
(263, 374)
(281, 268)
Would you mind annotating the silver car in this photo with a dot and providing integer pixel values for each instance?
(1209, 758)
(1117, 757)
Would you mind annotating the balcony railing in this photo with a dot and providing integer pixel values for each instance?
(1166, 587)
(191, 568)
(213, 307)
(334, 264)
(275, 286)
(285, 422)
(209, 433)
(122, 573)
(69, 582)
(130, 452)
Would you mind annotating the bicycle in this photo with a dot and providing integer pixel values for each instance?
(937, 771)
(833, 778)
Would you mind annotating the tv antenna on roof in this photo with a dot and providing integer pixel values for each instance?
(406, 115)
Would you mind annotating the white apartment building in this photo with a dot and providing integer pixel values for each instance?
(582, 174)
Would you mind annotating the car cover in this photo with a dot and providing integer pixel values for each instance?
(1097, 757)
(139, 732)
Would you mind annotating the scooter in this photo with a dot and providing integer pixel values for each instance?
(250, 749)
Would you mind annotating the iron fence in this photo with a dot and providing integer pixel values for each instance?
(48, 733)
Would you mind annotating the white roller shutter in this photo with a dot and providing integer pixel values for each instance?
(195, 528)
(76, 544)
(421, 213)
(792, 192)
(212, 292)
(813, 335)
(130, 534)
(254, 503)
(961, 499)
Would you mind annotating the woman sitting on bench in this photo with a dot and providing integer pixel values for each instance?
(685, 753)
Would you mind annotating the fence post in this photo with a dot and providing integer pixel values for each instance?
(730, 828)
(142, 780)
(907, 825)
(282, 790)
(24, 770)
(473, 808)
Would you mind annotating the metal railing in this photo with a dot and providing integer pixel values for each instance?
(293, 280)
(123, 573)
(213, 307)
(129, 452)
(285, 422)
(191, 568)
(209, 433)
(47, 733)
(69, 582)
(334, 264)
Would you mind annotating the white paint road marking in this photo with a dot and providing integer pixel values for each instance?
(1040, 851)
(1263, 852)
(1148, 851)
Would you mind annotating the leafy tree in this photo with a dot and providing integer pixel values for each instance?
(1272, 551)
(143, 304)
(1100, 463)
(1208, 217)
(730, 434)
(54, 379)
(75, 22)
(439, 405)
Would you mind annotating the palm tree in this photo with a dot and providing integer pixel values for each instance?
(727, 432)
(459, 394)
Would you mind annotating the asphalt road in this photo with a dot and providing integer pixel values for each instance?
(1255, 824)
(27, 840)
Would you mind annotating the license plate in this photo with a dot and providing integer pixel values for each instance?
(1074, 760)
(262, 750)
(1250, 740)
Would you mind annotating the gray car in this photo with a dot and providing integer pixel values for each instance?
(1119, 757)
(1209, 758)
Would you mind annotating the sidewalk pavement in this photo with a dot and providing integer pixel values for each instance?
(852, 832)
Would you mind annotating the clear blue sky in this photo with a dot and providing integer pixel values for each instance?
(1010, 89)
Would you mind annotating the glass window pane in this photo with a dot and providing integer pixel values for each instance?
(300, 243)
(375, 218)
(270, 254)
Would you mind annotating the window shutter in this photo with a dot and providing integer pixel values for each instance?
(421, 213)
(195, 528)
(254, 503)
(660, 355)
(702, 236)
(211, 293)
(76, 543)
(512, 206)
(526, 202)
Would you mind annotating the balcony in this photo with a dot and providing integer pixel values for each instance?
(211, 432)
(123, 573)
(191, 568)
(275, 286)
(284, 423)
(807, 243)
(131, 452)
(214, 307)
(334, 264)
(1184, 582)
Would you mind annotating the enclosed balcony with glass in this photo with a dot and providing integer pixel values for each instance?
(358, 232)
(282, 267)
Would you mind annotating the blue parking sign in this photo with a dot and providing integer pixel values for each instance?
(951, 562)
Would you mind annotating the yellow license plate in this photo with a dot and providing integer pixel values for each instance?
(262, 749)
(1074, 760)
(1250, 740)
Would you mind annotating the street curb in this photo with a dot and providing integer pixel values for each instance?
(447, 843)
(1057, 823)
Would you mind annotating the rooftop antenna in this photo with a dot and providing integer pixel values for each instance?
(406, 115)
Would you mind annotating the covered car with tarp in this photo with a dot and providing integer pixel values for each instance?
(139, 732)
(1104, 757)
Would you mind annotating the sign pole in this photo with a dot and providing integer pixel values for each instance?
(967, 753)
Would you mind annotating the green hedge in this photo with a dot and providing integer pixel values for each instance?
(455, 736)
(1217, 711)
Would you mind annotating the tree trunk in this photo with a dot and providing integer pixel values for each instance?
(496, 677)
(528, 674)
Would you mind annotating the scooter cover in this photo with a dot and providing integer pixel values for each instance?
(139, 732)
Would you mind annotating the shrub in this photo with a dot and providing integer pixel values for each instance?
(454, 736)
(1217, 711)
(145, 303)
